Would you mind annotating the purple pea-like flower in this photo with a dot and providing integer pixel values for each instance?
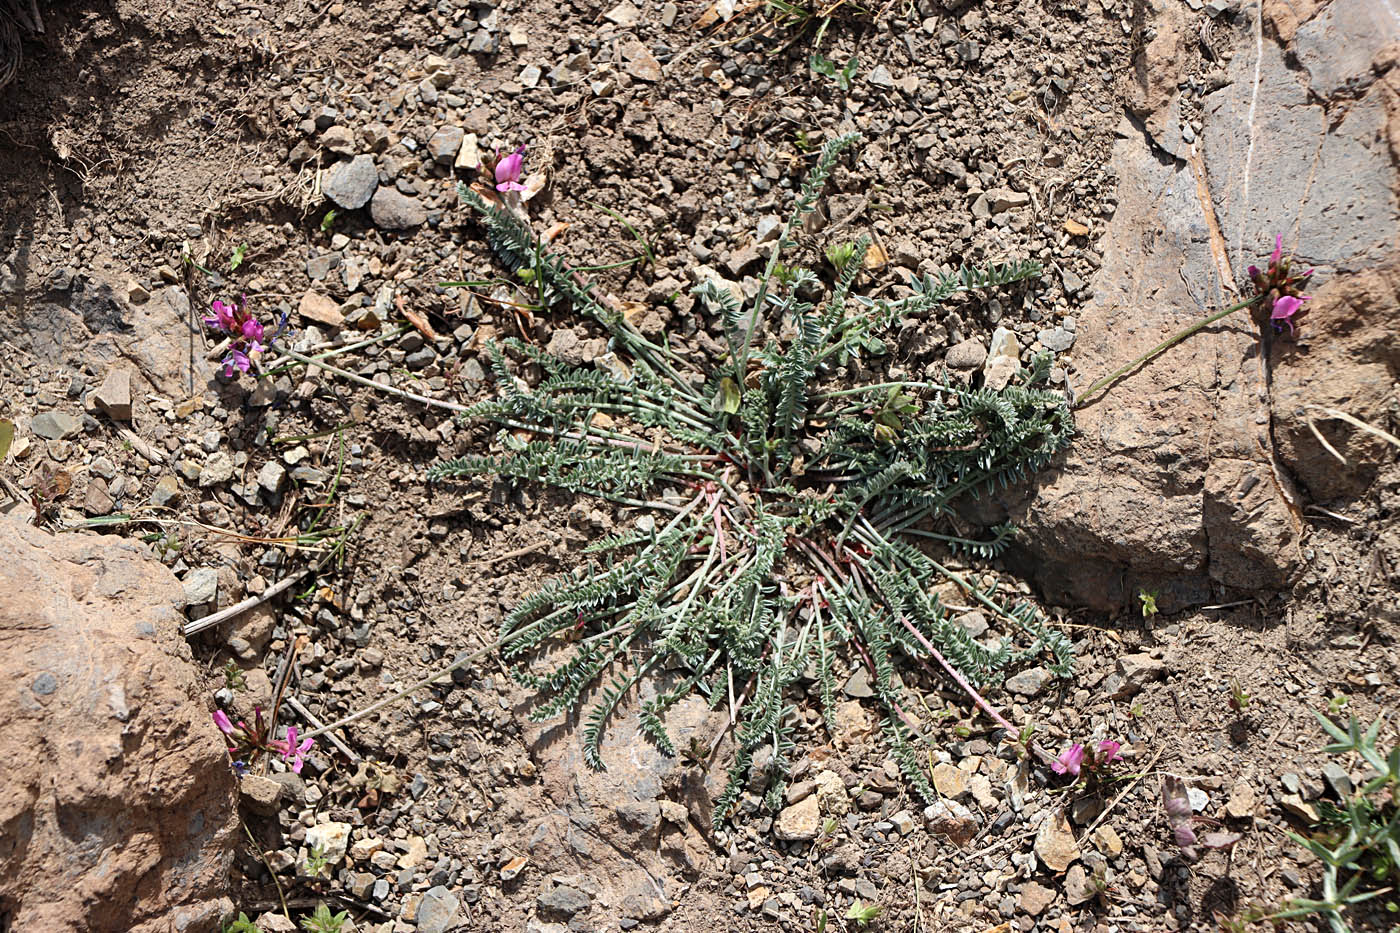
(292, 752)
(1286, 308)
(509, 170)
(1108, 752)
(222, 721)
(1069, 761)
(236, 360)
(224, 317)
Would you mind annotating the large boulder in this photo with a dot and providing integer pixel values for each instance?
(117, 803)
(1191, 474)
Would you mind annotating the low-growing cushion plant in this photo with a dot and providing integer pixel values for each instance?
(792, 517)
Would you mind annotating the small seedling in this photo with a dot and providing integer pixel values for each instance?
(328, 221)
(818, 920)
(1239, 700)
(1022, 742)
(1149, 603)
(863, 914)
(323, 921)
(1137, 709)
(233, 676)
(240, 924)
(236, 259)
(316, 863)
(824, 66)
(1337, 704)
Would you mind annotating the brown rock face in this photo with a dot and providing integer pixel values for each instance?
(1189, 474)
(116, 808)
(1348, 361)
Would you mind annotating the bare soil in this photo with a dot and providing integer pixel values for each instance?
(137, 131)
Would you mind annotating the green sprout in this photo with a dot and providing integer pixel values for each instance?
(240, 924)
(841, 255)
(233, 676)
(323, 921)
(824, 66)
(863, 914)
(1149, 603)
(1239, 700)
(236, 259)
(316, 863)
(328, 221)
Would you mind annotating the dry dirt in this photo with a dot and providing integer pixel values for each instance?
(137, 132)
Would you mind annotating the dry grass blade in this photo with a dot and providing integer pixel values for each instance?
(1336, 415)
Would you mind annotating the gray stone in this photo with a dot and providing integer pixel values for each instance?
(1073, 283)
(1336, 46)
(166, 491)
(394, 211)
(55, 425)
(563, 900)
(624, 14)
(967, 355)
(641, 815)
(97, 500)
(1339, 216)
(444, 144)
(351, 184)
(1338, 779)
(1004, 199)
(217, 469)
(201, 586)
(272, 476)
(858, 685)
(1056, 338)
(438, 911)
(974, 623)
(880, 77)
(1030, 682)
(114, 395)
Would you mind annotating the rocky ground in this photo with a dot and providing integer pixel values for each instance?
(144, 145)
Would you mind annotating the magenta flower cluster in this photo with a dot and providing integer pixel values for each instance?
(1283, 289)
(1077, 758)
(246, 334)
(245, 744)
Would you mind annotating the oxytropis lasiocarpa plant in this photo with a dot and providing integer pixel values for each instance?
(791, 516)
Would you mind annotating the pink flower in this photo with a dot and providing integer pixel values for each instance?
(252, 330)
(1069, 761)
(1286, 308)
(292, 752)
(1277, 254)
(509, 170)
(1108, 752)
(223, 318)
(236, 359)
(221, 720)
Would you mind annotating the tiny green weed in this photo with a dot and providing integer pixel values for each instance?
(323, 921)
